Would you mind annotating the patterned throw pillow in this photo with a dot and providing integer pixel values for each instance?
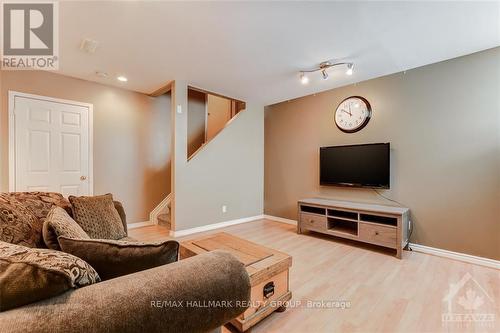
(113, 258)
(98, 216)
(18, 224)
(22, 215)
(59, 223)
(28, 275)
(40, 203)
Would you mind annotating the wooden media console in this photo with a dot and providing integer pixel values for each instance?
(381, 225)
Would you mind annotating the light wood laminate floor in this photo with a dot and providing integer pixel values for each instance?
(386, 294)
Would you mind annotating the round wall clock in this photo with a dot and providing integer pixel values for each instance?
(352, 114)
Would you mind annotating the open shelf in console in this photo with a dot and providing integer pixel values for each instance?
(313, 210)
(343, 226)
(343, 214)
(392, 221)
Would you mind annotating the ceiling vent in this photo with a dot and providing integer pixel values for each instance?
(89, 45)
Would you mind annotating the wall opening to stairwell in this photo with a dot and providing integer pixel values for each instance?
(208, 114)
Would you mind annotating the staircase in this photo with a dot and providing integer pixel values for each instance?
(164, 219)
(161, 214)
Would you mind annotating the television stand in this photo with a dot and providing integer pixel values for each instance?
(381, 225)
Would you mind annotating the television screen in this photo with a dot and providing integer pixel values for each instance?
(365, 165)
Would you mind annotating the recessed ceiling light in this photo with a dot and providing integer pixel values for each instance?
(122, 78)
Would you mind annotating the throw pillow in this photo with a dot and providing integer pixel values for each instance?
(112, 258)
(98, 216)
(28, 275)
(18, 224)
(23, 213)
(40, 203)
(59, 223)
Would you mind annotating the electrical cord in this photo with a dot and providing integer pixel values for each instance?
(386, 198)
(410, 233)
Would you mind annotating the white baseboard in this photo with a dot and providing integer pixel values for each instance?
(138, 225)
(213, 226)
(186, 232)
(280, 219)
(456, 256)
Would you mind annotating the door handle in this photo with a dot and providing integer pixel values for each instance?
(82, 178)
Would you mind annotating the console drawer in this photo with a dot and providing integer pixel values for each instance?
(380, 235)
(313, 222)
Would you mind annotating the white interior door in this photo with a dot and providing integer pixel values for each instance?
(51, 145)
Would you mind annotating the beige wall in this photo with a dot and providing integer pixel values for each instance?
(131, 137)
(229, 170)
(443, 123)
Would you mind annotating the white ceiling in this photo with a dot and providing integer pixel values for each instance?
(254, 50)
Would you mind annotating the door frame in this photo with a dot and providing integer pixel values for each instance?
(12, 134)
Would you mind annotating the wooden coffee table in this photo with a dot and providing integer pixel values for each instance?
(268, 270)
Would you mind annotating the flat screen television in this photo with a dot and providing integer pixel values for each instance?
(366, 165)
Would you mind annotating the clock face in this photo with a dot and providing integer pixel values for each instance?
(352, 114)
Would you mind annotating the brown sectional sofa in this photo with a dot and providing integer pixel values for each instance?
(198, 294)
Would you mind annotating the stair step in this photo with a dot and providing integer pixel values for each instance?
(164, 219)
(164, 216)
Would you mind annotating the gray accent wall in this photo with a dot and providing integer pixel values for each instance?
(229, 170)
(443, 123)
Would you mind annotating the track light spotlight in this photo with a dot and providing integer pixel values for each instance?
(350, 68)
(303, 78)
(325, 74)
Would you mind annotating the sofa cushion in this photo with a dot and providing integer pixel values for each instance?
(28, 275)
(112, 258)
(18, 224)
(98, 216)
(59, 223)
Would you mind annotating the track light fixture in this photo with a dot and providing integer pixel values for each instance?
(323, 68)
